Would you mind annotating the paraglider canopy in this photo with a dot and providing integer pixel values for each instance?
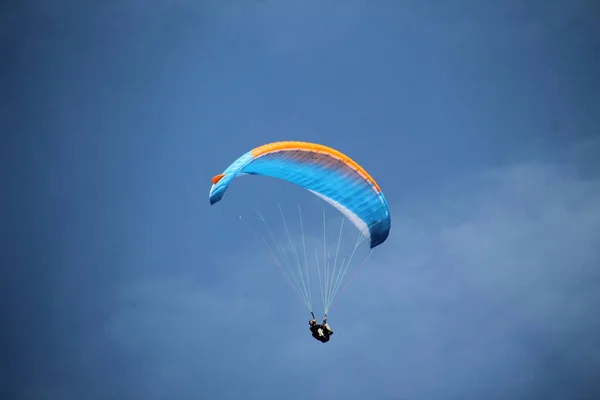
(326, 172)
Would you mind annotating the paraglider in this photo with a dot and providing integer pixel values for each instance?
(329, 174)
(321, 332)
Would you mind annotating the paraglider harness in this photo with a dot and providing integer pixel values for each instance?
(321, 332)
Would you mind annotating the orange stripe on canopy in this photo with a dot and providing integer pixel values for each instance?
(316, 148)
(217, 178)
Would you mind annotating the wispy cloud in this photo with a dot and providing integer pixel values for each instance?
(490, 287)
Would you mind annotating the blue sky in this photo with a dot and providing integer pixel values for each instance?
(478, 119)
